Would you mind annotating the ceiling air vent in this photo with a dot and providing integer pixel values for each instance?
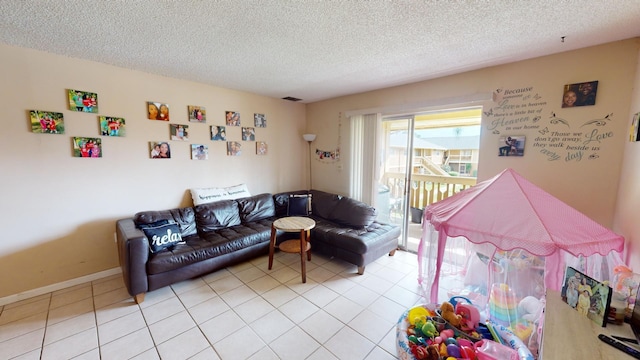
(290, 98)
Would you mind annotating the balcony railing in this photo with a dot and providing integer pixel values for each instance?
(426, 189)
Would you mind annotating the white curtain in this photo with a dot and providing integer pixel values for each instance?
(364, 157)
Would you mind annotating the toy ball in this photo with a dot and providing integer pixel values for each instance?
(451, 341)
(416, 313)
(437, 340)
(447, 332)
(453, 351)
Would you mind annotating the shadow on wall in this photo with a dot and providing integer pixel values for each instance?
(88, 250)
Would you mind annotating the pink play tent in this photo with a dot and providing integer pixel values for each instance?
(512, 213)
(520, 240)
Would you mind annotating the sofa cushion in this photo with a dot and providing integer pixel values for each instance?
(153, 224)
(299, 205)
(162, 236)
(353, 213)
(207, 195)
(281, 201)
(213, 194)
(184, 217)
(217, 215)
(256, 207)
(238, 191)
(324, 203)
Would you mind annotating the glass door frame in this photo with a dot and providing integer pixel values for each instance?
(408, 164)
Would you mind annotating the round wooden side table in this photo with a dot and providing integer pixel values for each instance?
(300, 224)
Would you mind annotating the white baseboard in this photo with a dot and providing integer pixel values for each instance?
(58, 286)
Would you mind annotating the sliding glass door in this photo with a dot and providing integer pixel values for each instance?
(396, 144)
(424, 158)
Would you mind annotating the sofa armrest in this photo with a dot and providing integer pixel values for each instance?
(133, 252)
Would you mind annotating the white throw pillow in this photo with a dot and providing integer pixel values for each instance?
(208, 195)
(238, 191)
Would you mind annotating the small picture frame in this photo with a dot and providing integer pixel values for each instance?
(634, 131)
(260, 120)
(261, 148)
(586, 295)
(512, 145)
(197, 113)
(232, 118)
(579, 94)
(218, 133)
(83, 101)
(234, 148)
(157, 111)
(248, 134)
(179, 132)
(159, 150)
(111, 126)
(46, 122)
(87, 147)
(199, 152)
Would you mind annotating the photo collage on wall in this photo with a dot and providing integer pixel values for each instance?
(52, 122)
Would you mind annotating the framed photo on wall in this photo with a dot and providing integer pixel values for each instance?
(199, 152)
(511, 145)
(157, 111)
(111, 126)
(84, 101)
(234, 148)
(248, 134)
(260, 120)
(579, 94)
(179, 132)
(87, 147)
(197, 113)
(261, 148)
(218, 133)
(160, 150)
(46, 122)
(634, 131)
(232, 118)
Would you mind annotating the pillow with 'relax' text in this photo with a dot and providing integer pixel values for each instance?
(162, 236)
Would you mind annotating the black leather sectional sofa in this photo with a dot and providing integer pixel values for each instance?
(226, 232)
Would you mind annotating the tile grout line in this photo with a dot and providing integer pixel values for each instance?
(46, 325)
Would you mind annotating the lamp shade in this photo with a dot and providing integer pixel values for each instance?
(309, 137)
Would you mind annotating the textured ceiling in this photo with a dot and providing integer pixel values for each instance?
(312, 50)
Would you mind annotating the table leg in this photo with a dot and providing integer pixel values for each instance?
(308, 233)
(272, 245)
(303, 250)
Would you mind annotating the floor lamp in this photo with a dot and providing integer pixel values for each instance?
(309, 138)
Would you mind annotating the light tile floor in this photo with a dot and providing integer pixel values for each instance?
(241, 312)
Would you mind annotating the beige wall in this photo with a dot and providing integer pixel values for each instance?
(589, 184)
(628, 201)
(58, 212)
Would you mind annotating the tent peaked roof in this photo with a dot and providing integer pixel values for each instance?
(511, 212)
